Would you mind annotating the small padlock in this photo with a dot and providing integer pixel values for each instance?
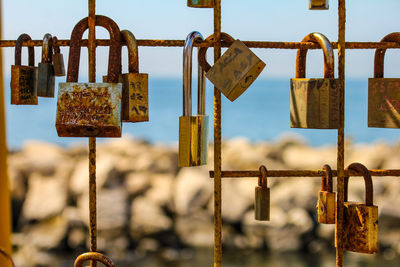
(314, 103)
(201, 3)
(326, 198)
(46, 78)
(384, 93)
(318, 4)
(235, 70)
(91, 109)
(23, 78)
(360, 220)
(193, 129)
(262, 194)
(58, 59)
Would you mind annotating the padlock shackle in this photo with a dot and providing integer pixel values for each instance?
(47, 48)
(187, 77)
(262, 179)
(326, 179)
(56, 47)
(133, 52)
(369, 190)
(93, 256)
(18, 50)
(327, 48)
(114, 56)
(380, 54)
(203, 50)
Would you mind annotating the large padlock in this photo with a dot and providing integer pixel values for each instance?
(45, 74)
(200, 3)
(360, 220)
(384, 93)
(193, 129)
(91, 109)
(314, 103)
(262, 197)
(326, 198)
(235, 70)
(23, 78)
(58, 59)
(318, 4)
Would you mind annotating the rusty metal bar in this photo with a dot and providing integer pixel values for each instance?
(7, 257)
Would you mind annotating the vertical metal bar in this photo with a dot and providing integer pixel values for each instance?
(217, 145)
(340, 154)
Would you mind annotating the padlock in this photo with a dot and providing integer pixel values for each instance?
(23, 78)
(314, 103)
(262, 194)
(318, 4)
(193, 129)
(235, 70)
(201, 3)
(135, 86)
(91, 109)
(360, 220)
(326, 198)
(58, 59)
(384, 93)
(45, 74)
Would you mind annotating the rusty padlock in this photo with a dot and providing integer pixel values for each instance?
(193, 129)
(318, 4)
(326, 198)
(360, 220)
(58, 59)
(201, 3)
(314, 103)
(135, 85)
(235, 70)
(45, 74)
(262, 197)
(23, 78)
(384, 93)
(91, 109)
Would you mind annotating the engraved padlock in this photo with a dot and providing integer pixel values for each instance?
(23, 78)
(45, 74)
(201, 3)
(262, 197)
(360, 220)
(235, 70)
(326, 198)
(58, 59)
(193, 129)
(318, 4)
(314, 103)
(91, 109)
(384, 93)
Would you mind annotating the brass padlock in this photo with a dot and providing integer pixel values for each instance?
(360, 220)
(23, 78)
(326, 198)
(314, 103)
(318, 4)
(235, 70)
(262, 196)
(45, 74)
(58, 59)
(91, 109)
(200, 3)
(384, 93)
(193, 129)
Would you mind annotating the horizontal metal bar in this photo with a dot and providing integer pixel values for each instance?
(300, 173)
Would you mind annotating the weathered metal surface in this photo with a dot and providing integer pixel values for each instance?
(318, 4)
(45, 73)
(23, 78)
(7, 256)
(200, 3)
(58, 59)
(326, 198)
(93, 256)
(262, 197)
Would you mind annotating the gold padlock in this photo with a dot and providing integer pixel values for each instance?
(360, 220)
(314, 103)
(262, 197)
(326, 198)
(384, 93)
(201, 3)
(235, 70)
(318, 4)
(193, 129)
(91, 109)
(23, 78)
(45, 73)
(58, 59)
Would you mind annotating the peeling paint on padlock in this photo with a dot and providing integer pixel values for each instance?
(326, 198)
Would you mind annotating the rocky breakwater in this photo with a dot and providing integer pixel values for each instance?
(146, 204)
